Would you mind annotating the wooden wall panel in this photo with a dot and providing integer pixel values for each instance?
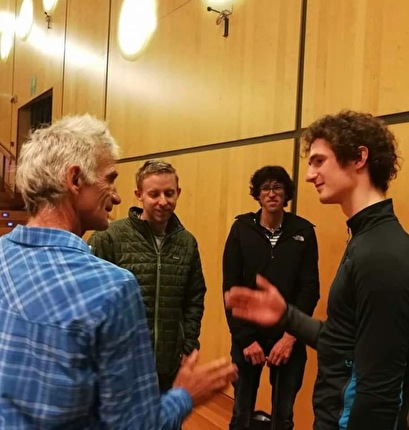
(399, 188)
(39, 58)
(86, 57)
(6, 86)
(5, 105)
(192, 87)
(356, 57)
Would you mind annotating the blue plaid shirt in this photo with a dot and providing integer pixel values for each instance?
(75, 351)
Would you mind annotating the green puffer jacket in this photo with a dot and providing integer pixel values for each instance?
(170, 278)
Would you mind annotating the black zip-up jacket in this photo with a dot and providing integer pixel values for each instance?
(292, 265)
(363, 346)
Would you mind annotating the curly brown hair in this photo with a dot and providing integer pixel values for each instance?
(346, 132)
(272, 173)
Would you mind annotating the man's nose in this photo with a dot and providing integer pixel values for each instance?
(163, 200)
(311, 174)
(116, 198)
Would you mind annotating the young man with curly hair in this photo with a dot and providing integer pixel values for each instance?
(364, 343)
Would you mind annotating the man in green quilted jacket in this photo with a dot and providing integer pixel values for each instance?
(164, 257)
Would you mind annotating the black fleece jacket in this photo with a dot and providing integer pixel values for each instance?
(292, 266)
(364, 344)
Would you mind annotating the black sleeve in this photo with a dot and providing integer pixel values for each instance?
(381, 345)
(309, 285)
(242, 331)
(302, 326)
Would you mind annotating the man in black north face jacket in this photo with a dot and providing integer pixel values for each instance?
(283, 247)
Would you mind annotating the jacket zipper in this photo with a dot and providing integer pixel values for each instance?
(157, 287)
(157, 295)
(157, 290)
(349, 365)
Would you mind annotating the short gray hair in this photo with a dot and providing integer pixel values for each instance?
(154, 167)
(45, 158)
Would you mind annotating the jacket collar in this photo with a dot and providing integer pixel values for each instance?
(291, 224)
(371, 216)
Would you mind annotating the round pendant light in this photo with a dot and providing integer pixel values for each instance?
(49, 5)
(137, 23)
(25, 19)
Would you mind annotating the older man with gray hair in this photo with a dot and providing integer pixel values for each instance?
(75, 351)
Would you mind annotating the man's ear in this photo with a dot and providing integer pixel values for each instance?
(179, 190)
(138, 194)
(361, 161)
(73, 178)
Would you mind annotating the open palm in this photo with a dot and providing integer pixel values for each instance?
(264, 306)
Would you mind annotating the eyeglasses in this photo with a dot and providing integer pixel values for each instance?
(276, 189)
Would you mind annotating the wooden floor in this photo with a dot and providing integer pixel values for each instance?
(214, 415)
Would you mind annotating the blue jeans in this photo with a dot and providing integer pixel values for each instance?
(245, 388)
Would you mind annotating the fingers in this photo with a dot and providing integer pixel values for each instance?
(241, 313)
(256, 359)
(278, 357)
(241, 296)
(275, 361)
(262, 283)
(203, 381)
(238, 300)
(191, 359)
(237, 296)
(226, 371)
(215, 365)
(220, 373)
(255, 354)
(264, 306)
(227, 299)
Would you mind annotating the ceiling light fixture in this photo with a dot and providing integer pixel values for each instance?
(25, 19)
(49, 5)
(136, 25)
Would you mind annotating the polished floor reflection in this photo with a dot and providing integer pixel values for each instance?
(214, 415)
